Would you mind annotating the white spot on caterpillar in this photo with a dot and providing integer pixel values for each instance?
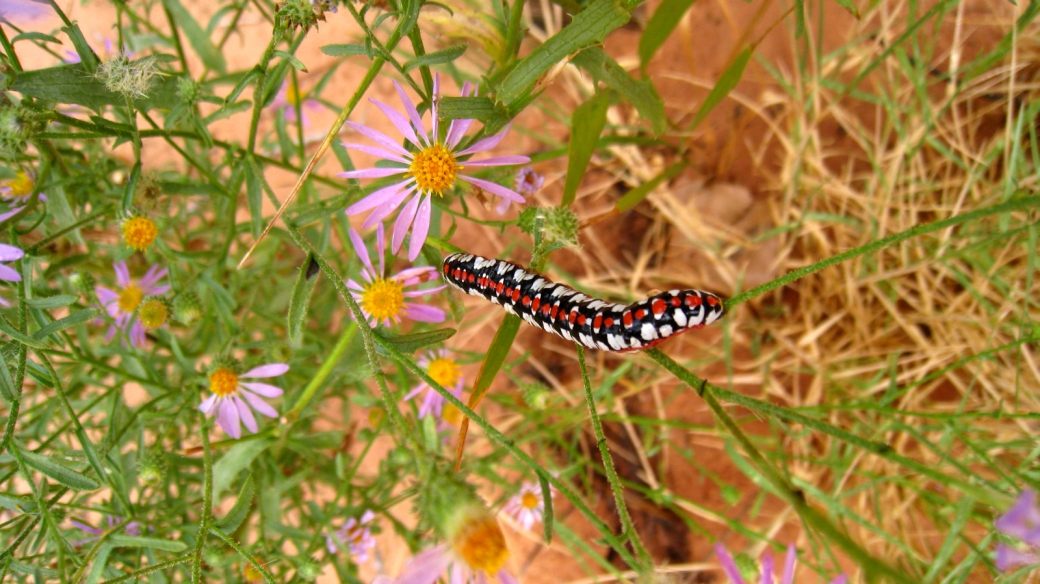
(619, 308)
(561, 290)
(585, 340)
(602, 345)
(648, 332)
(680, 317)
(666, 330)
(538, 284)
(614, 344)
(502, 267)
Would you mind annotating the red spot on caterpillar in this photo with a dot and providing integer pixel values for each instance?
(693, 300)
(573, 316)
(534, 305)
(501, 287)
(546, 308)
(626, 319)
(608, 322)
(712, 301)
(658, 306)
(597, 322)
(516, 294)
(472, 278)
(676, 301)
(640, 314)
(526, 301)
(581, 319)
(555, 309)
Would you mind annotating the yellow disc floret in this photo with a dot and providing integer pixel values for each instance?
(444, 371)
(480, 543)
(223, 382)
(21, 186)
(139, 232)
(130, 298)
(434, 169)
(153, 314)
(383, 299)
(529, 500)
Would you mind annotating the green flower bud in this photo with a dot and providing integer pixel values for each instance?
(308, 568)
(187, 308)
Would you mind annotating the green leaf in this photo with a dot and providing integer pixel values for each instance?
(34, 36)
(18, 504)
(414, 342)
(135, 541)
(588, 27)
(254, 195)
(19, 337)
(344, 50)
(73, 84)
(296, 63)
(729, 79)
(547, 512)
(235, 460)
(586, 125)
(97, 569)
(88, 60)
(131, 186)
(636, 195)
(64, 323)
(641, 94)
(476, 108)
(197, 37)
(7, 387)
(436, 58)
(495, 357)
(63, 474)
(660, 26)
(240, 511)
(301, 298)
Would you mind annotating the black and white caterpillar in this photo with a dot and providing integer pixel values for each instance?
(576, 317)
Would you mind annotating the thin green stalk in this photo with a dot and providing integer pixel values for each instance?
(646, 563)
(1020, 204)
(242, 552)
(140, 574)
(261, 81)
(207, 499)
(323, 373)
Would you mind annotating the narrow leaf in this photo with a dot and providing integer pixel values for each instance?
(495, 357)
(296, 63)
(34, 36)
(240, 511)
(547, 512)
(586, 125)
(197, 36)
(437, 57)
(588, 27)
(641, 94)
(254, 195)
(7, 388)
(344, 50)
(63, 474)
(667, 16)
(729, 79)
(64, 323)
(17, 336)
(48, 302)
(636, 195)
(131, 186)
(97, 569)
(476, 108)
(414, 342)
(301, 298)
(237, 459)
(135, 541)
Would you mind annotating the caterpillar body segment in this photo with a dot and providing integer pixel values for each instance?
(590, 322)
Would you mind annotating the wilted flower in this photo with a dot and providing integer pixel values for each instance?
(232, 398)
(766, 570)
(383, 299)
(527, 506)
(528, 183)
(122, 305)
(355, 535)
(16, 192)
(290, 96)
(445, 371)
(1022, 521)
(431, 170)
(476, 552)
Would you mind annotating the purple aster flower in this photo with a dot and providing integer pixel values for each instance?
(431, 169)
(766, 571)
(383, 299)
(355, 536)
(445, 371)
(16, 192)
(527, 182)
(1022, 521)
(133, 528)
(527, 506)
(11, 10)
(289, 96)
(9, 253)
(122, 305)
(232, 398)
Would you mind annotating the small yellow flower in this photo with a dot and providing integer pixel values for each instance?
(21, 185)
(139, 232)
(154, 313)
(130, 298)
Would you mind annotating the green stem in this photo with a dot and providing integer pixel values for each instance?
(242, 552)
(646, 563)
(139, 574)
(323, 373)
(207, 499)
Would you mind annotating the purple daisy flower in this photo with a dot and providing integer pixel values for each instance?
(527, 507)
(122, 305)
(11, 10)
(232, 398)
(1022, 521)
(382, 299)
(287, 99)
(445, 371)
(355, 536)
(766, 571)
(431, 169)
(9, 253)
(16, 192)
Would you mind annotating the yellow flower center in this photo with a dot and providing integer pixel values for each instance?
(292, 94)
(21, 185)
(153, 314)
(529, 500)
(444, 371)
(139, 232)
(434, 169)
(251, 573)
(480, 543)
(383, 298)
(130, 298)
(223, 382)
(451, 414)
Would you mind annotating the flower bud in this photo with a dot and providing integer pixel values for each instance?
(187, 308)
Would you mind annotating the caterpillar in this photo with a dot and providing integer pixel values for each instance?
(563, 311)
